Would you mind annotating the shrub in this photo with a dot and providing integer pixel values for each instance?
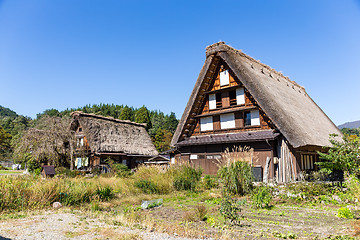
(32, 165)
(209, 182)
(345, 213)
(186, 178)
(236, 175)
(353, 185)
(261, 197)
(146, 186)
(230, 210)
(121, 170)
(104, 193)
(198, 214)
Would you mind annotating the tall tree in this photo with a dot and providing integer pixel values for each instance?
(50, 142)
(142, 116)
(5, 147)
(126, 113)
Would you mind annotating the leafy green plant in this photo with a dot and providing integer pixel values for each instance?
(345, 213)
(104, 193)
(343, 155)
(186, 178)
(261, 197)
(209, 182)
(230, 210)
(146, 186)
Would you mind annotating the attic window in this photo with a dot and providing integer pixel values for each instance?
(240, 96)
(218, 100)
(80, 129)
(232, 96)
(252, 118)
(212, 101)
(227, 121)
(224, 78)
(206, 124)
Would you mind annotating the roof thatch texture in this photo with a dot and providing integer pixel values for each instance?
(109, 135)
(287, 104)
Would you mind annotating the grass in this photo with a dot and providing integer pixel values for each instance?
(10, 172)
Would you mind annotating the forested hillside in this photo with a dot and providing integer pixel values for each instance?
(160, 126)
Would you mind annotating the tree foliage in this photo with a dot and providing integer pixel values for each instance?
(5, 139)
(51, 142)
(343, 155)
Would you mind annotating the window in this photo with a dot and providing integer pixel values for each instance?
(212, 101)
(232, 96)
(227, 121)
(218, 100)
(224, 78)
(255, 118)
(206, 123)
(252, 118)
(80, 129)
(307, 162)
(240, 96)
(247, 119)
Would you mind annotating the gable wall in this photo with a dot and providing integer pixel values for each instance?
(239, 110)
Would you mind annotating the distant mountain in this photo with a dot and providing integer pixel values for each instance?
(355, 124)
(6, 112)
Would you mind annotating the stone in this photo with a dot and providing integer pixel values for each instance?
(57, 205)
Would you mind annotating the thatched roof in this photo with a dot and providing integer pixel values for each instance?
(110, 135)
(287, 104)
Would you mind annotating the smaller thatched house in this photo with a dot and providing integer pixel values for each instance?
(100, 138)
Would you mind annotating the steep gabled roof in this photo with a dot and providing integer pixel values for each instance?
(287, 104)
(110, 135)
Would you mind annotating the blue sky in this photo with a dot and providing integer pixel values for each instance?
(68, 53)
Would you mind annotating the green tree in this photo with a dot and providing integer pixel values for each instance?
(343, 155)
(126, 113)
(171, 122)
(162, 140)
(142, 116)
(5, 139)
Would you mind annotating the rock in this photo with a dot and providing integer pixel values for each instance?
(151, 203)
(336, 198)
(57, 205)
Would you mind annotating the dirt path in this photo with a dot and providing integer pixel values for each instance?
(63, 225)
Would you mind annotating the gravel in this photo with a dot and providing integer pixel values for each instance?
(56, 225)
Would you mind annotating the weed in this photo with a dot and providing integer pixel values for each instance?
(186, 177)
(345, 213)
(230, 210)
(104, 193)
(261, 197)
(209, 182)
(146, 186)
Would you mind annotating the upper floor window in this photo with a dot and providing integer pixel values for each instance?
(252, 118)
(240, 96)
(206, 124)
(218, 100)
(212, 101)
(224, 78)
(227, 121)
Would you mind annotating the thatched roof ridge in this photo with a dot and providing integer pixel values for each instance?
(286, 103)
(109, 135)
(105, 118)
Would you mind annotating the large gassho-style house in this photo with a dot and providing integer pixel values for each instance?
(101, 138)
(238, 101)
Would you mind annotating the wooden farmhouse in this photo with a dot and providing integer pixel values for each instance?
(238, 101)
(99, 138)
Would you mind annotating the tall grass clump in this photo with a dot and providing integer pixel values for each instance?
(153, 179)
(35, 192)
(235, 170)
(186, 177)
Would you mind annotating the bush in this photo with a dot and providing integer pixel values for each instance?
(261, 197)
(186, 178)
(121, 170)
(230, 210)
(198, 214)
(104, 193)
(209, 182)
(146, 186)
(32, 165)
